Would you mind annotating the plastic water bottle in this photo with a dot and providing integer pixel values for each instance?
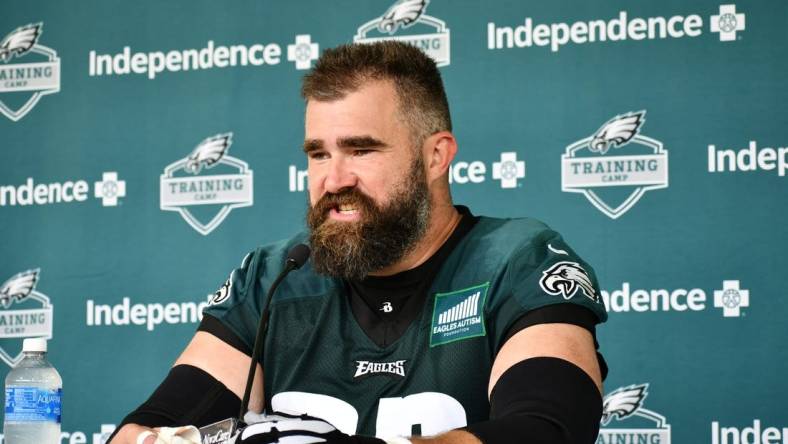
(33, 390)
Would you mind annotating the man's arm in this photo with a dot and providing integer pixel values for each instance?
(226, 364)
(221, 361)
(564, 341)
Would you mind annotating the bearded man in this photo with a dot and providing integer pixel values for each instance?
(414, 320)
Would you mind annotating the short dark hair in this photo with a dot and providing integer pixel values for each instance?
(422, 100)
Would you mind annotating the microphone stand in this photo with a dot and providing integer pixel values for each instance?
(296, 257)
(262, 328)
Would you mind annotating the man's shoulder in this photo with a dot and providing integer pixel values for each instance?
(507, 236)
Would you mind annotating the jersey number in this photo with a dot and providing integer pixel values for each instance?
(434, 412)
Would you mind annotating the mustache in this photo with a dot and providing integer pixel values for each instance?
(348, 196)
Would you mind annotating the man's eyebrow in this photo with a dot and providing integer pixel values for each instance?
(345, 142)
(312, 145)
(360, 142)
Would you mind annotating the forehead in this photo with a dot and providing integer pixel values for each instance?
(372, 109)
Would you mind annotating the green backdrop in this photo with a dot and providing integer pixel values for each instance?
(650, 133)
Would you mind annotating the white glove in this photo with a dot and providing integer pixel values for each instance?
(288, 428)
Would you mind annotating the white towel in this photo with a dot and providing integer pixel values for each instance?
(172, 435)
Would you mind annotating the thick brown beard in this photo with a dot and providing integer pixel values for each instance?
(352, 250)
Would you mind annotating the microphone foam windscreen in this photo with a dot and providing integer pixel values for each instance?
(298, 255)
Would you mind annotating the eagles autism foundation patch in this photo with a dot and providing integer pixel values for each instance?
(458, 315)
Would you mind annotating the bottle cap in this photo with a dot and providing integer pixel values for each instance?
(34, 345)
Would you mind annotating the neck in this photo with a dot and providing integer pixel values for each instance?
(443, 221)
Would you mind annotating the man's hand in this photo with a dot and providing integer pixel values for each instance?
(218, 359)
(136, 434)
(128, 435)
(452, 437)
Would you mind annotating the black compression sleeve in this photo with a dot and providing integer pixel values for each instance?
(542, 400)
(187, 396)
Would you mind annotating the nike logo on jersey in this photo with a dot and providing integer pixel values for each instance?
(557, 250)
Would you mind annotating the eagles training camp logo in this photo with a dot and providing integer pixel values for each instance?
(565, 278)
(31, 316)
(615, 166)
(625, 405)
(204, 200)
(23, 83)
(403, 16)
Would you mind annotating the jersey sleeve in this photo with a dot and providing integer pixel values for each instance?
(232, 314)
(547, 281)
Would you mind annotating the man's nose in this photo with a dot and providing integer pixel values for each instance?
(339, 176)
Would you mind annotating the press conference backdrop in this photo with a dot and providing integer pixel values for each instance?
(148, 146)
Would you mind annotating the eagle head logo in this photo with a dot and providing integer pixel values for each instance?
(403, 13)
(20, 41)
(222, 293)
(617, 132)
(19, 287)
(564, 278)
(208, 152)
(623, 402)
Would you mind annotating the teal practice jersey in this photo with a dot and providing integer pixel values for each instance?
(318, 360)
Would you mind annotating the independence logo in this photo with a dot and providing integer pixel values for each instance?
(624, 26)
(24, 313)
(205, 200)
(36, 72)
(211, 56)
(401, 18)
(509, 171)
(625, 405)
(109, 189)
(615, 166)
(458, 315)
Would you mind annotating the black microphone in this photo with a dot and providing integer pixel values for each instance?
(222, 431)
(296, 257)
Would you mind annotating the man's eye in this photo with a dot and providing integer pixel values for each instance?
(318, 155)
(361, 152)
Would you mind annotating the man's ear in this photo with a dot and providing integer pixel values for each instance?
(439, 151)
